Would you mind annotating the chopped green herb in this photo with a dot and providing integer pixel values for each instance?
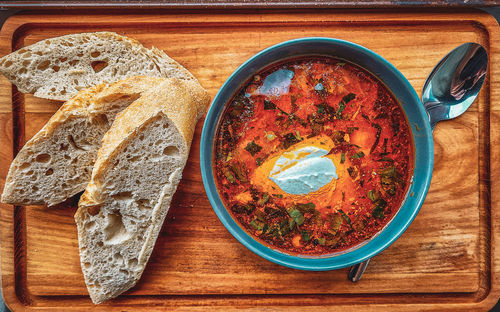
(377, 136)
(272, 213)
(346, 99)
(296, 215)
(338, 137)
(253, 148)
(290, 139)
(261, 215)
(321, 241)
(385, 158)
(269, 105)
(373, 196)
(274, 230)
(352, 172)
(391, 190)
(284, 228)
(259, 161)
(229, 175)
(238, 171)
(257, 224)
(266, 227)
(332, 242)
(264, 199)
(282, 111)
(317, 219)
(325, 109)
(345, 216)
(297, 135)
(305, 236)
(379, 208)
(335, 220)
(358, 155)
(342, 158)
(389, 176)
(306, 208)
(248, 208)
(389, 172)
(278, 195)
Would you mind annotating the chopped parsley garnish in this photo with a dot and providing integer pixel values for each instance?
(346, 99)
(253, 148)
(269, 105)
(358, 155)
(296, 215)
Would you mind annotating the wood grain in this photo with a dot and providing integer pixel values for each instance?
(447, 259)
(243, 4)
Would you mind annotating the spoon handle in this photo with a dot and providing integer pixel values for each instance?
(357, 270)
(436, 113)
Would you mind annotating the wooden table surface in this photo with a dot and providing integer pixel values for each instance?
(447, 259)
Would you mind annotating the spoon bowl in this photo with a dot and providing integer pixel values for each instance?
(455, 82)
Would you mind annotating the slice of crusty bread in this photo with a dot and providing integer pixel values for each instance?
(58, 68)
(137, 170)
(57, 162)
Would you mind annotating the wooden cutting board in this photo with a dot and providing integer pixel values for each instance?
(448, 259)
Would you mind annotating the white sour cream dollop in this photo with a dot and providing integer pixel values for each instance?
(303, 170)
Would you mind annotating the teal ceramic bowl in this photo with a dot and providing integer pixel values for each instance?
(402, 90)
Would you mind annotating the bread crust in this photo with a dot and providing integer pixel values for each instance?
(159, 100)
(178, 102)
(87, 105)
(57, 68)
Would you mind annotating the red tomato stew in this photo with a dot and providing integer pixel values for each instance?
(313, 156)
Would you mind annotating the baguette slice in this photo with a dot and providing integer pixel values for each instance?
(57, 162)
(58, 68)
(137, 170)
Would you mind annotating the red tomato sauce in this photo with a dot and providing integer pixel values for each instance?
(325, 103)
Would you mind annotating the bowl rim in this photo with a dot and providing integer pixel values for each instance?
(364, 250)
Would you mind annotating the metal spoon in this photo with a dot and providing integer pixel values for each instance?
(450, 89)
